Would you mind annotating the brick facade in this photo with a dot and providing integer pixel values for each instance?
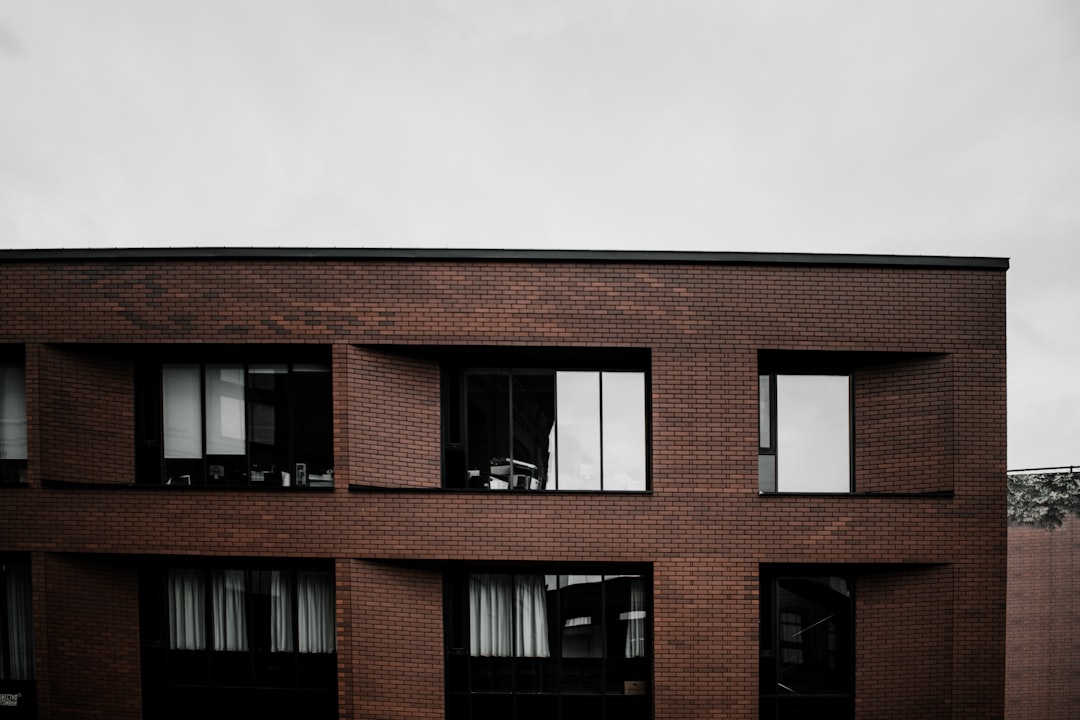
(1043, 623)
(924, 533)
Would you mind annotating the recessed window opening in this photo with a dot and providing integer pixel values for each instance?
(233, 423)
(259, 639)
(546, 429)
(527, 645)
(807, 655)
(805, 433)
(12, 423)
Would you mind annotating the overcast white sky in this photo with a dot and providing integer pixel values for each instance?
(944, 127)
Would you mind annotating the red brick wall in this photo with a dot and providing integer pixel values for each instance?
(91, 641)
(903, 427)
(904, 644)
(85, 415)
(704, 527)
(393, 417)
(1043, 652)
(395, 657)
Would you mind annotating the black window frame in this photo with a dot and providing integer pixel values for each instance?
(557, 685)
(252, 683)
(152, 466)
(778, 701)
(822, 364)
(457, 366)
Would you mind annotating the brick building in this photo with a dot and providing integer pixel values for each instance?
(1043, 650)
(426, 484)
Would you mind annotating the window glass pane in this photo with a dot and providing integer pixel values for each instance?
(623, 416)
(19, 620)
(187, 610)
(225, 410)
(578, 430)
(764, 413)
(487, 397)
(533, 402)
(230, 617)
(582, 605)
(766, 473)
(281, 612)
(268, 423)
(181, 398)
(813, 442)
(312, 423)
(813, 634)
(12, 412)
(315, 612)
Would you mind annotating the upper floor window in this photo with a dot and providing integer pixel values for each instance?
(12, 422)
(545, 428)
(805, 433)
(262, 424)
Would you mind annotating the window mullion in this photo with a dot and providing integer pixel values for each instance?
(510, 426)
(600, 416)
(202, 425)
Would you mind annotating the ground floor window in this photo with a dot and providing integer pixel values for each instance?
(807, 624)
(239, 641)
(18, 694)
(527, 645)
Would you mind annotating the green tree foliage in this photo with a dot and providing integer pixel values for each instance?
(1043, 499)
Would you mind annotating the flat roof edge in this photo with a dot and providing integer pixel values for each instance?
(463, 255)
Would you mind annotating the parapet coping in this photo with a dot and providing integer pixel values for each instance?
(527, 256)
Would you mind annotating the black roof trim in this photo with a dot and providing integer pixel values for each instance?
(445, 254)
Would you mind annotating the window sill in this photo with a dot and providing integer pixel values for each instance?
(938, 494)
(73, 485)
(493, 493)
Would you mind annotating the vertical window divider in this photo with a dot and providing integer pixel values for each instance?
(558, 445)
(851, 431)
(202, 423)
(510, 422)
(600, 414)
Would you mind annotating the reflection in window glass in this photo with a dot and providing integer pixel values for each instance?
(764, 412)
(813, 433)
(578, 430)
(623, 430)
(224, 410)
(542, 429)
(181, 399)
(561, 643)
(807, 667)
(12, 412)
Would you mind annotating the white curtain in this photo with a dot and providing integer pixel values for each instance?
(315, 610)
(230, 619)
(225, 410)
(502, 622)
(181, 399)
(281, 612)
(20, 623)
(187, 610)
(12, 412)
(530, 616)
(635, 627)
